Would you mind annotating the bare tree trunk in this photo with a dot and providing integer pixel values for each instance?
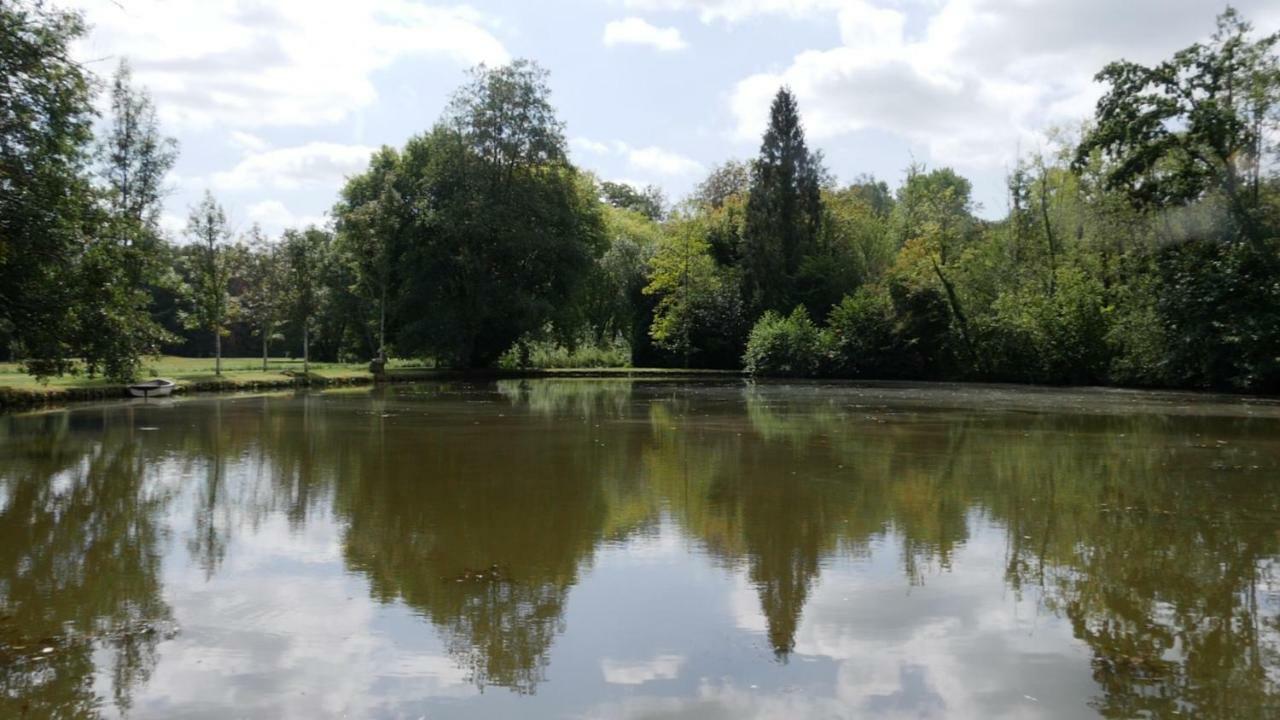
(306, 351)
(265, 336)
(217, 353)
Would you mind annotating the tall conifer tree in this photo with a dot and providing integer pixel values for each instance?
(784, 210)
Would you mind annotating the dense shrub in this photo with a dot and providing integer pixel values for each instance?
(862, 336)
(1051, 338)
(1137, 338)
(789, 346)
(923, 332)
(1219, 304)
(545, 354)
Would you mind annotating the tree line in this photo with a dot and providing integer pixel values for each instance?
(1142, 248)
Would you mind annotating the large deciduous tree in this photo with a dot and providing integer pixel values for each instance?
(372, 216)
(502, 228)
(1186, 138)
(1193, 124)
(45, 129)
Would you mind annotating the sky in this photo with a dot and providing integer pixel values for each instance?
(275, 102)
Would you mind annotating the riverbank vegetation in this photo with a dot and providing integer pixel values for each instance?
(1140, 248)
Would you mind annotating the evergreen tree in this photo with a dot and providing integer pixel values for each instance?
(784, 211)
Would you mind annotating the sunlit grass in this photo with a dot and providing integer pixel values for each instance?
(196, 370)
(249, 372)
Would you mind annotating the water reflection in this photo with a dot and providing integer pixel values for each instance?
(920, 553)
(79, 569)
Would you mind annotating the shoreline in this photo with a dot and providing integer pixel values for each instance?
(13, 398)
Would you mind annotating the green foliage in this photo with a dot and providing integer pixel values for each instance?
(857, 223)
(306, 254)
(1138, 338)
(208, 295)
(612, 302)
(648, 202)
(699, 317)
(1194, 123)
(115, 328)
(122, 263)
(1218, 305)
(924, 331)
(502, 229)
(1059, 338)
(372, 217)
(784, 211)
(862, 336)
(731, 179)
(263, 302)
(550, 354)
(45, 125)
(787, 346)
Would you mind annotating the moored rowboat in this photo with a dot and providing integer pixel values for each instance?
(152, 388)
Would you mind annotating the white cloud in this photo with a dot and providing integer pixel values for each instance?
(635, 31)
(173, 224)
(662, 667)
(292, 62)
(274, 216)
(317, 164)
(589, 145)
(982, 79)
(736, 10)
(326, 657)
(652, 160)
(662, 162)
(247, 142)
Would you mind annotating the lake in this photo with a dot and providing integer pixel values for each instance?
(643, 549)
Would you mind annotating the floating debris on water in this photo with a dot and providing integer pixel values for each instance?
(492, 574)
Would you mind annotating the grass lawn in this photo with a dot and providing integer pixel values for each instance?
(196, 370)
(19, 389)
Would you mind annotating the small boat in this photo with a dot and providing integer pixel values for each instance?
(152, 388)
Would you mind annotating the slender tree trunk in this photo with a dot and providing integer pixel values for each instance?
(1048, 230)
(956, 310)
(688, 314)
(217, 353)
(306, 351)
(265, 335)
(382, 323)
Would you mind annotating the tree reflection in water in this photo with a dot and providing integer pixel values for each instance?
(481, 507)
(79, 563)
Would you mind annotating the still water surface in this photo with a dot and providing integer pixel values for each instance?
(618, 549)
